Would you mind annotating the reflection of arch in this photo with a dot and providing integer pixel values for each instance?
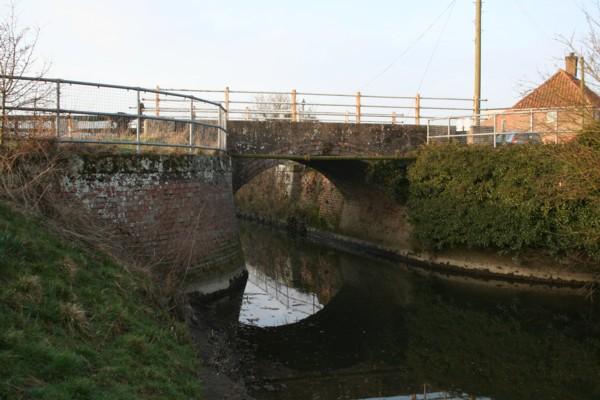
(286, 304)
(345, 316)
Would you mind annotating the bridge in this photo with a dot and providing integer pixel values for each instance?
(165, 180)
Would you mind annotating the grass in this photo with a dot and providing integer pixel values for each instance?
(75, 325)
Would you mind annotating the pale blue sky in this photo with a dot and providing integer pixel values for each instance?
(310, 45)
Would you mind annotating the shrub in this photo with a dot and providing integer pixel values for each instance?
(512, 198)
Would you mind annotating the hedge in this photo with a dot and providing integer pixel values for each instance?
(513, 198)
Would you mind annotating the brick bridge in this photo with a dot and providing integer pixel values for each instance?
(337, 150)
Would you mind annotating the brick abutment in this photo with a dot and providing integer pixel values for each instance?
(171, 210)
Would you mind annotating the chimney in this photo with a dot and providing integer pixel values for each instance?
(571, 64)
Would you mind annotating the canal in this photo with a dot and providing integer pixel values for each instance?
(312, 322)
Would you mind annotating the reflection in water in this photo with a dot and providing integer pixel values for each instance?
(385, 331)
(269, 301)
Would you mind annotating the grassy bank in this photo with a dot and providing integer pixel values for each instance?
(75, 325)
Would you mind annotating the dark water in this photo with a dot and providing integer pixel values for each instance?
(318, 323)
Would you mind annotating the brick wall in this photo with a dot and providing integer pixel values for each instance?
(175, 210)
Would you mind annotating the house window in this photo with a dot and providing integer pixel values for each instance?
(551, 117)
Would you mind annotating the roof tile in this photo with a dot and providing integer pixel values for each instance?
(560, 90)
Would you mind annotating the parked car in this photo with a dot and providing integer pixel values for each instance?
(518, 138)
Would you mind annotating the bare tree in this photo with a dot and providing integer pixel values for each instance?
(17, 59)
(590, 44)
(273, 106)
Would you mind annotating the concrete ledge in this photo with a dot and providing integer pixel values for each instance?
(469, 263)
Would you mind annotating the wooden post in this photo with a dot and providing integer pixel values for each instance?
(393, 117)
(358, 107)
(477, 91)
(157, 102)
(69, 125)
(418, 109)
(294, 107)
(227, 102)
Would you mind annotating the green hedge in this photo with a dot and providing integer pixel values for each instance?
(511, 199)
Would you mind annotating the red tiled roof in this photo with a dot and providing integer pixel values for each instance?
(561, 90)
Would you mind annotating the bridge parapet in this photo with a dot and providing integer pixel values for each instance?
(322, 139)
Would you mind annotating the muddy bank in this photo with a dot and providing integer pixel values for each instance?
(477, 264)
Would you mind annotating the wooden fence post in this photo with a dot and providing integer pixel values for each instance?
(418, 109)
(294, 107)
(393, 117)
(227, 102)
(358, 107)
(157, 102)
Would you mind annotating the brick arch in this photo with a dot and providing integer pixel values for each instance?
(347, 175)
(340, 172)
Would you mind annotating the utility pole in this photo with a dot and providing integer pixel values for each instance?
(477, 94)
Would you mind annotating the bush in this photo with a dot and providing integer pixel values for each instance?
(512, 198)
(590, 135)
(392, 177)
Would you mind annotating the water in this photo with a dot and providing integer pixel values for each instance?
(318, 323)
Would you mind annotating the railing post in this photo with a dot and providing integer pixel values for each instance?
(495, 120)
(449, 128)
(227, 102)
(358, 107)
(347, 117)
(191, 138)
(428, 128)
(393, 117)
(418, 109)
(224, 130)
(294, 106)
(57, 122)
(220, 130)
(138, 127)
(157, 102)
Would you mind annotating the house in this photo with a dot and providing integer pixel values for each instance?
(557, 109)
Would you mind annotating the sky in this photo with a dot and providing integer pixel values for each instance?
(378, 47)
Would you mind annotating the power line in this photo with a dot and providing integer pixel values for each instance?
(412, 44)
(437, 43)
(532, 20)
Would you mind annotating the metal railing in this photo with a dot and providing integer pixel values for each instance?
(97, 113)
(322, 107)
(505, 126)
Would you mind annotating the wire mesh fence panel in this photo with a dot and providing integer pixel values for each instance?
(559, 125)
(87, 112)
